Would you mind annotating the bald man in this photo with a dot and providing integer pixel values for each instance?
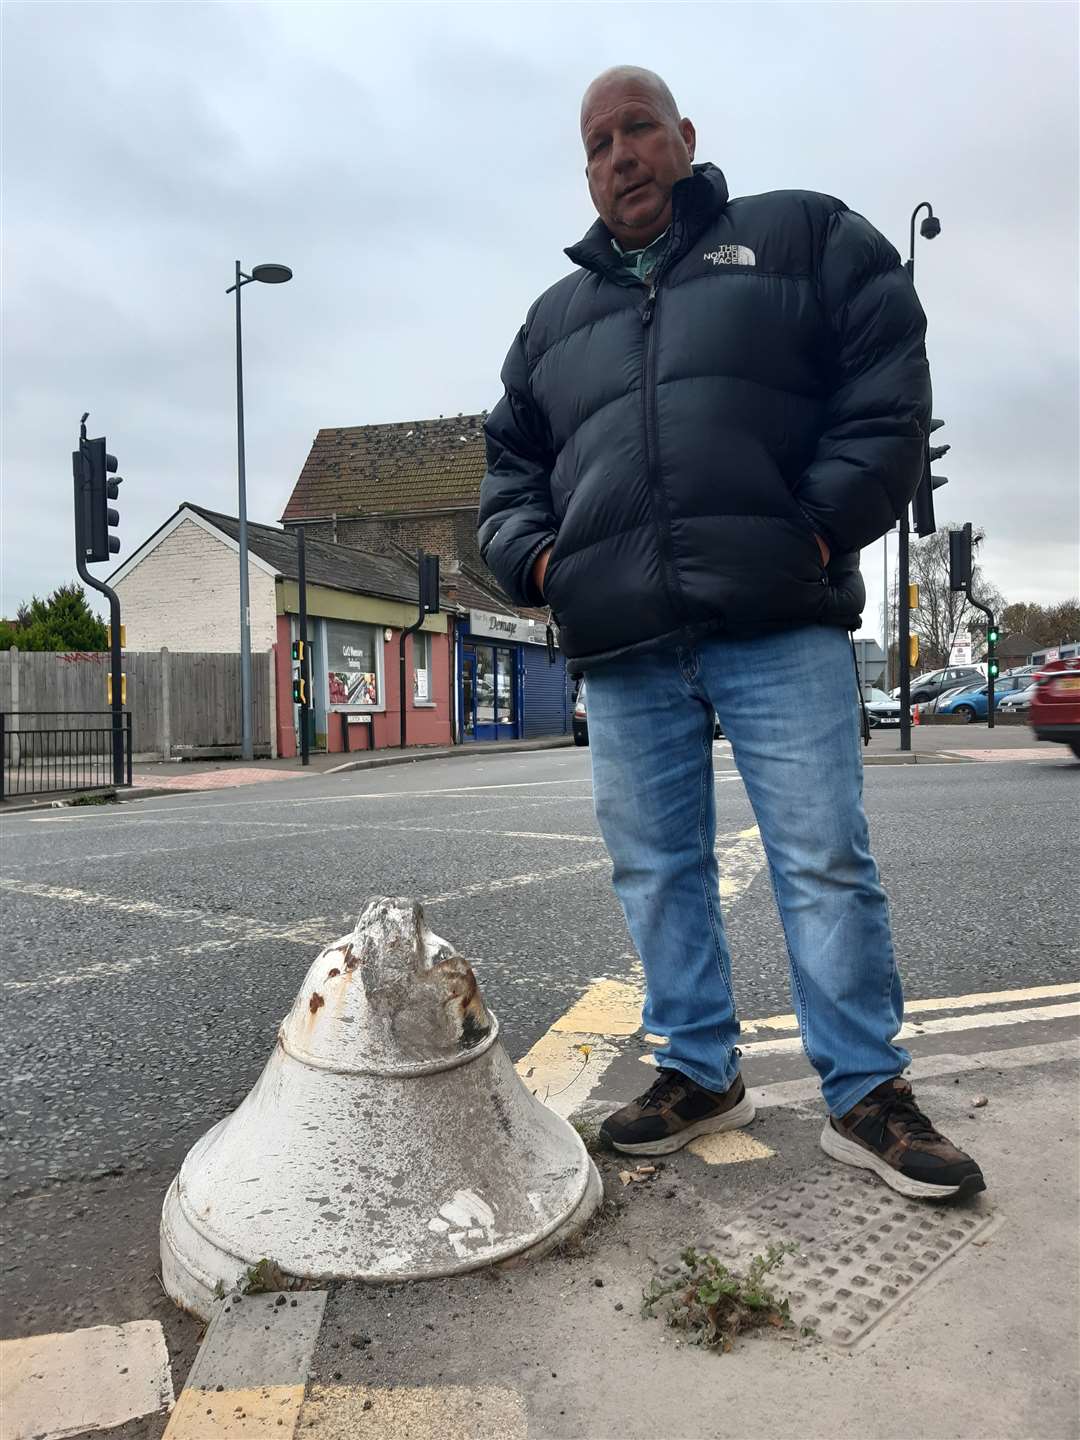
(702, 426)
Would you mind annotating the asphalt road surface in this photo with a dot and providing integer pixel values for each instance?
(151, 949)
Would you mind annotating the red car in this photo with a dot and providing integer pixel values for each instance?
(1055, 706)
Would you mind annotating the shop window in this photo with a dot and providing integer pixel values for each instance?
(353, 663)
(507, 696)
(422, 686)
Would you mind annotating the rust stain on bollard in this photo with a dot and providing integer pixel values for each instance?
(316, 1002)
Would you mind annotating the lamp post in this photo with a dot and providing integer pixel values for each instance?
(930, 227)
(268, 275)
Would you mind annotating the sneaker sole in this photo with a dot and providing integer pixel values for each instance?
(848, 1152)
(733, 1119)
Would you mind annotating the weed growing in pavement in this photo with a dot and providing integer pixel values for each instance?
(589, 1131)
(713, 1304)
(264, 1278)
(103, 797)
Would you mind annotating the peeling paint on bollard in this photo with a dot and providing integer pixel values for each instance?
(388, 1137)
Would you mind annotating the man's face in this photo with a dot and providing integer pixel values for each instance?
(635, 152)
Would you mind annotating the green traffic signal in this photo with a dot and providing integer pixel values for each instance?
(993, 669)
(992, 635)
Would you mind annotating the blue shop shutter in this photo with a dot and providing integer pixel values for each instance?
(547, 710)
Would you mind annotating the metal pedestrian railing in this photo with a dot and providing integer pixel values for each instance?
(44, 751)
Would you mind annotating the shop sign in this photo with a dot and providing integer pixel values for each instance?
(507, 627)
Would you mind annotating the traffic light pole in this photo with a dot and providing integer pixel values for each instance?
(991, 667)
(116, 705)
(904, 633)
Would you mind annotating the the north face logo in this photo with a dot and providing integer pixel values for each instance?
(731, 255)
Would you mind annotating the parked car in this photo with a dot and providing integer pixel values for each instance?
(973, 704)
(881, 709)
(580, 721)
(929, 686)
(1018, 700)
(933, 707)
(1055, 707)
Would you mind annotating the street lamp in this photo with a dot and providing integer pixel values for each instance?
(268, 275)
(929, 228)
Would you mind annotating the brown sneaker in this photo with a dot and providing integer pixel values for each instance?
(887, 1132)
(674, 1111)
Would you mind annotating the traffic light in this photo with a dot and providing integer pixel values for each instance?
(992, 667)
(298, 652)
(960, 558)
(299, 691)
(97, 517)
(923, 504)
(429, 584)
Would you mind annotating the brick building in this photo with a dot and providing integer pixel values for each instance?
(414, 485)
(181, 590)
(395, 489)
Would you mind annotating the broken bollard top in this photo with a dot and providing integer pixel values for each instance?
(392, 998)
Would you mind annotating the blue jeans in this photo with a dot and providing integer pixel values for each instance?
(789, 705)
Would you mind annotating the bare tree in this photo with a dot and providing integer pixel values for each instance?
(941, 612)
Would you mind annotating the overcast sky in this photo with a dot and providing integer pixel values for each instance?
(419, 167)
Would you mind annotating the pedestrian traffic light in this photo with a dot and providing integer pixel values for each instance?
(299, 691)
(923, 504)
(298, 652)
(95, 518)
(960, 558)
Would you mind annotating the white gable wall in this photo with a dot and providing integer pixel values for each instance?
(185, 593)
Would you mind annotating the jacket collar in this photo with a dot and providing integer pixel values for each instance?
(695, 202)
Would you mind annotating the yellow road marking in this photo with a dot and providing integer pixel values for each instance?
(734, 1147)
(948, 1024)
(402, 1412)
(262, 1410)
(608, 1007)
(90, 1379)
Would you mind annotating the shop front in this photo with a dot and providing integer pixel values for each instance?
(353, 648)
(508, 689)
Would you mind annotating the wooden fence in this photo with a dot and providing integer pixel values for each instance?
(179, 701)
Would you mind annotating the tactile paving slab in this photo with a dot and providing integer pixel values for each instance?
(862, 1249)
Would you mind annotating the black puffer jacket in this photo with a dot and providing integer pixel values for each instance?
(681, 446)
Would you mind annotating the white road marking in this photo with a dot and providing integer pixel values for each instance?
(927, 1067)
(280, 802)
(948, 1002)
(93, 1379)
(517, 882)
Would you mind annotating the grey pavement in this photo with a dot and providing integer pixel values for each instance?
(152, 948)
(985, 1347)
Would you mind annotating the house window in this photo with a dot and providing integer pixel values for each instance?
(353, 668)
(421, 668)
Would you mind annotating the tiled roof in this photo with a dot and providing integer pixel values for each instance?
(341, 567)
(414, 465)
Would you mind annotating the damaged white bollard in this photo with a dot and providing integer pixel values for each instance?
(388, 1138)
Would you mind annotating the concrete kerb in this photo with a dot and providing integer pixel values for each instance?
(454, 752)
